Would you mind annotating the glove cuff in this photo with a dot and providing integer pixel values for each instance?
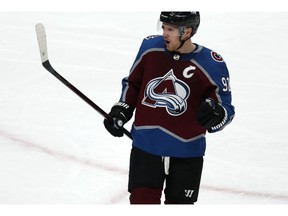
(223, 122)
(126, 110)
(122, 104)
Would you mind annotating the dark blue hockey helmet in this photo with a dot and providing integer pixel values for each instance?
(183, 18)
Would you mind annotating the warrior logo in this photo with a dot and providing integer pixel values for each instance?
(168, 92)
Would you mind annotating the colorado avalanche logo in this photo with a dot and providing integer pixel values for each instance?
(168, 92)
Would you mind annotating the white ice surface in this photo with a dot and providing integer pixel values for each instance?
(54, 148)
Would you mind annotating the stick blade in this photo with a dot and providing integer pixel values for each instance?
(42, 43)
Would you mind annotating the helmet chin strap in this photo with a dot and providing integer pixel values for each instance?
(182, 41)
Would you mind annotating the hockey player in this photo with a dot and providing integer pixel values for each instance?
(179, 90)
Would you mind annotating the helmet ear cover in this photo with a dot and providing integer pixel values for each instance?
(182, 30)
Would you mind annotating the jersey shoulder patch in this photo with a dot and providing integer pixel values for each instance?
(216, 56)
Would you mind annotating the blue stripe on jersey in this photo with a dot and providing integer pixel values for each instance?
(159, 141)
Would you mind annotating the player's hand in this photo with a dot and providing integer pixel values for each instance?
(120, 114)
(210, 114)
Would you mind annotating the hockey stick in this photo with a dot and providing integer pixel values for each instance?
(41, 37)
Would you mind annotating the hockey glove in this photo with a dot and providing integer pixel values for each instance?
(120, 114)
(211, 114)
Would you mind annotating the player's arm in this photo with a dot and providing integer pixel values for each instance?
(122, 111)
(217, 111)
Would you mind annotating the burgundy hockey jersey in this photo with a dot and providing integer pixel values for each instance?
(167, 89)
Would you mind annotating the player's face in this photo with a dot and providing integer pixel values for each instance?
(171, 36)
